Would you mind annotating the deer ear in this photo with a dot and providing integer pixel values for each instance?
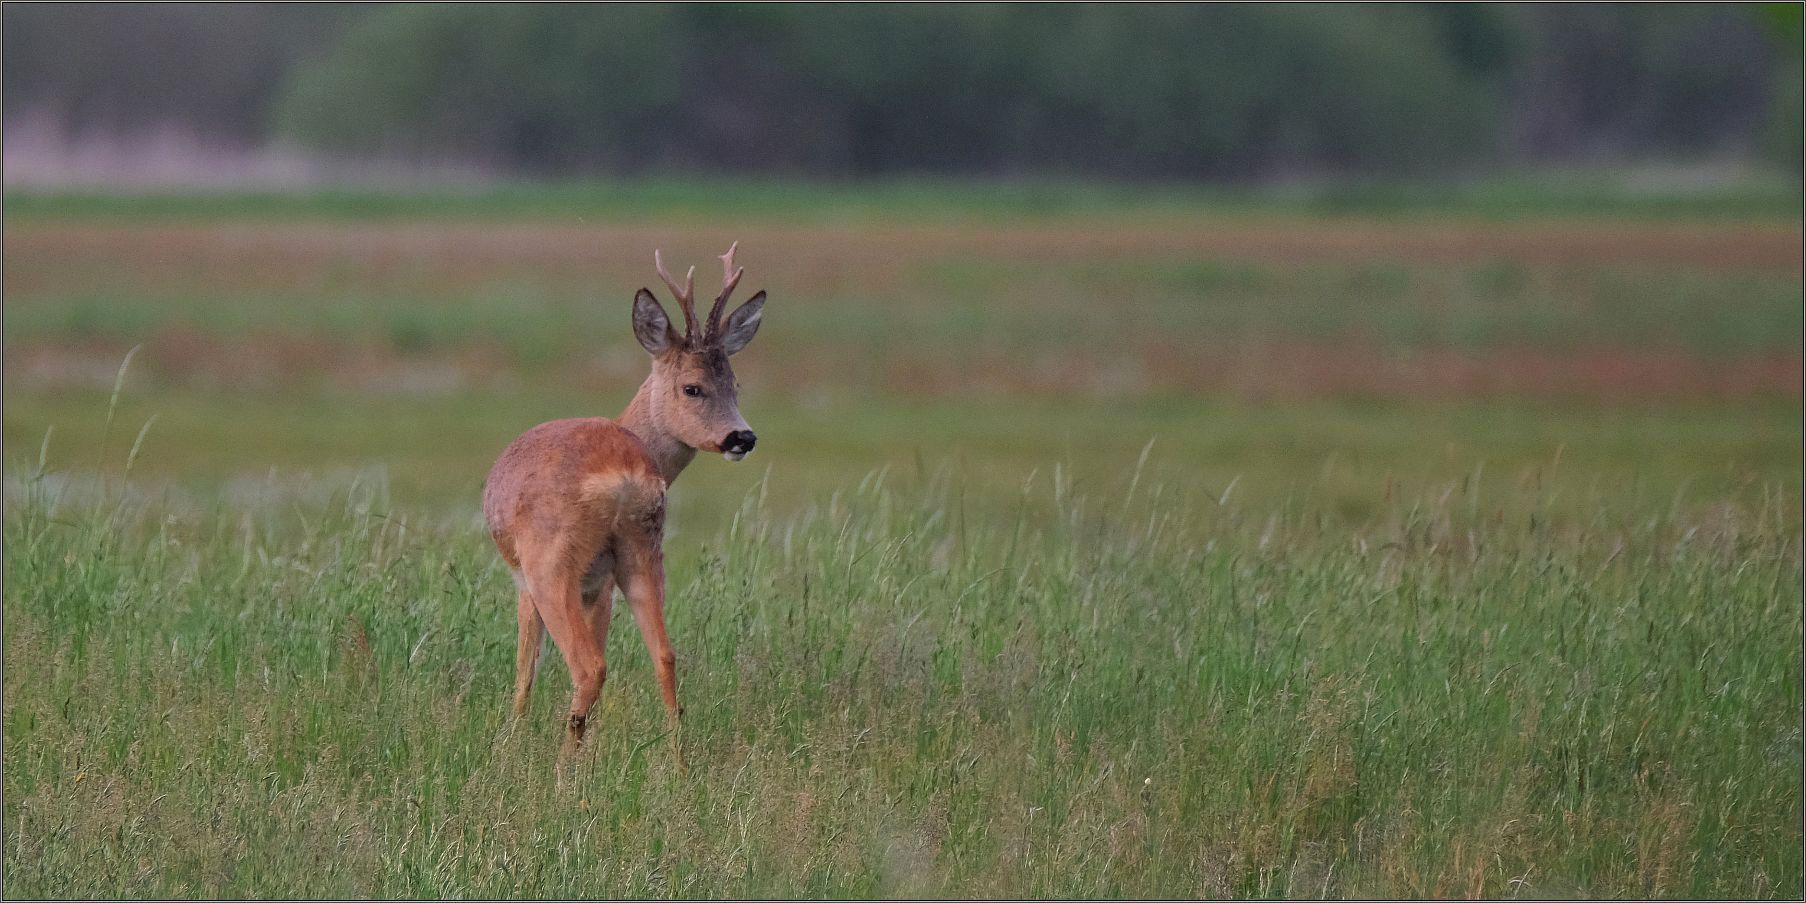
(742, 324)
(651, 326)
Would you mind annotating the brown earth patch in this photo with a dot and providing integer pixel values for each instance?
(1293, 369)
(246, 256)
(1278, 369)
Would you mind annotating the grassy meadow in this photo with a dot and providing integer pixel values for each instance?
(1098, 544)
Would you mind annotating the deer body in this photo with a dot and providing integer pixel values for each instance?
(577, 507)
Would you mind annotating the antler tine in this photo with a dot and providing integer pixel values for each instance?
(730, 277)
(686, 296)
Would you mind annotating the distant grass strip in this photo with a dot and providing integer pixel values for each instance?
(1508, 196)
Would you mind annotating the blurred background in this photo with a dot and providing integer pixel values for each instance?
(1214, 93)
(1298, 246)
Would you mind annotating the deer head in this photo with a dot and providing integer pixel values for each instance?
(692, 392)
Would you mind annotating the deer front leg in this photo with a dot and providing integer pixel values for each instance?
(645, 589)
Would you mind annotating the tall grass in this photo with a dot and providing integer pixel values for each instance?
(898, 690)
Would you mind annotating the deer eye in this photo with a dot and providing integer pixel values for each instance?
(693, 390)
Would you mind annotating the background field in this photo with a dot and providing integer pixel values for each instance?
(1099, 543)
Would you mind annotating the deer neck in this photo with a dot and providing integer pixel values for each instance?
(641, 418)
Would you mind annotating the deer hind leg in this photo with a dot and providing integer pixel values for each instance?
(644, 584)
(558, 596)
(598, 608)
(526, 657)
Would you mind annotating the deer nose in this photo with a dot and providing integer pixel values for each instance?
(739, 442)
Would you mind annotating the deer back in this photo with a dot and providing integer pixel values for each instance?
(566, 488)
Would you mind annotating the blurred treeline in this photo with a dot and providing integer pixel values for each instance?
(1219, 92)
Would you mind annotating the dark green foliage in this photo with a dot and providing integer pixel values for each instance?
(1180, 91)
(135, 67)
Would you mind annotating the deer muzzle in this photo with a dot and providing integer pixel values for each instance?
(738, 444)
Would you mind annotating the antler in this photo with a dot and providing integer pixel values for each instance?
(730, 277)
(686, 296)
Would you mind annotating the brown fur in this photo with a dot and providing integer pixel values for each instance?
(577, 507)
(528, 500)
(694, 423)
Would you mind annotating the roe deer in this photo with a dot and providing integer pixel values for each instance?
(578, 506)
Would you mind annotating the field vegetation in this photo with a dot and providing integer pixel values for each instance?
(1096, 545)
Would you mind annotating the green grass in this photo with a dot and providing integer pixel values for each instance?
(193, 451)
(1066, 566)
(986, 305)
(1581, 193)
(900, 689)
(206, 448)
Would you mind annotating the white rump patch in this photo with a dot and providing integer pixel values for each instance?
(604, 485)
(622, 489)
